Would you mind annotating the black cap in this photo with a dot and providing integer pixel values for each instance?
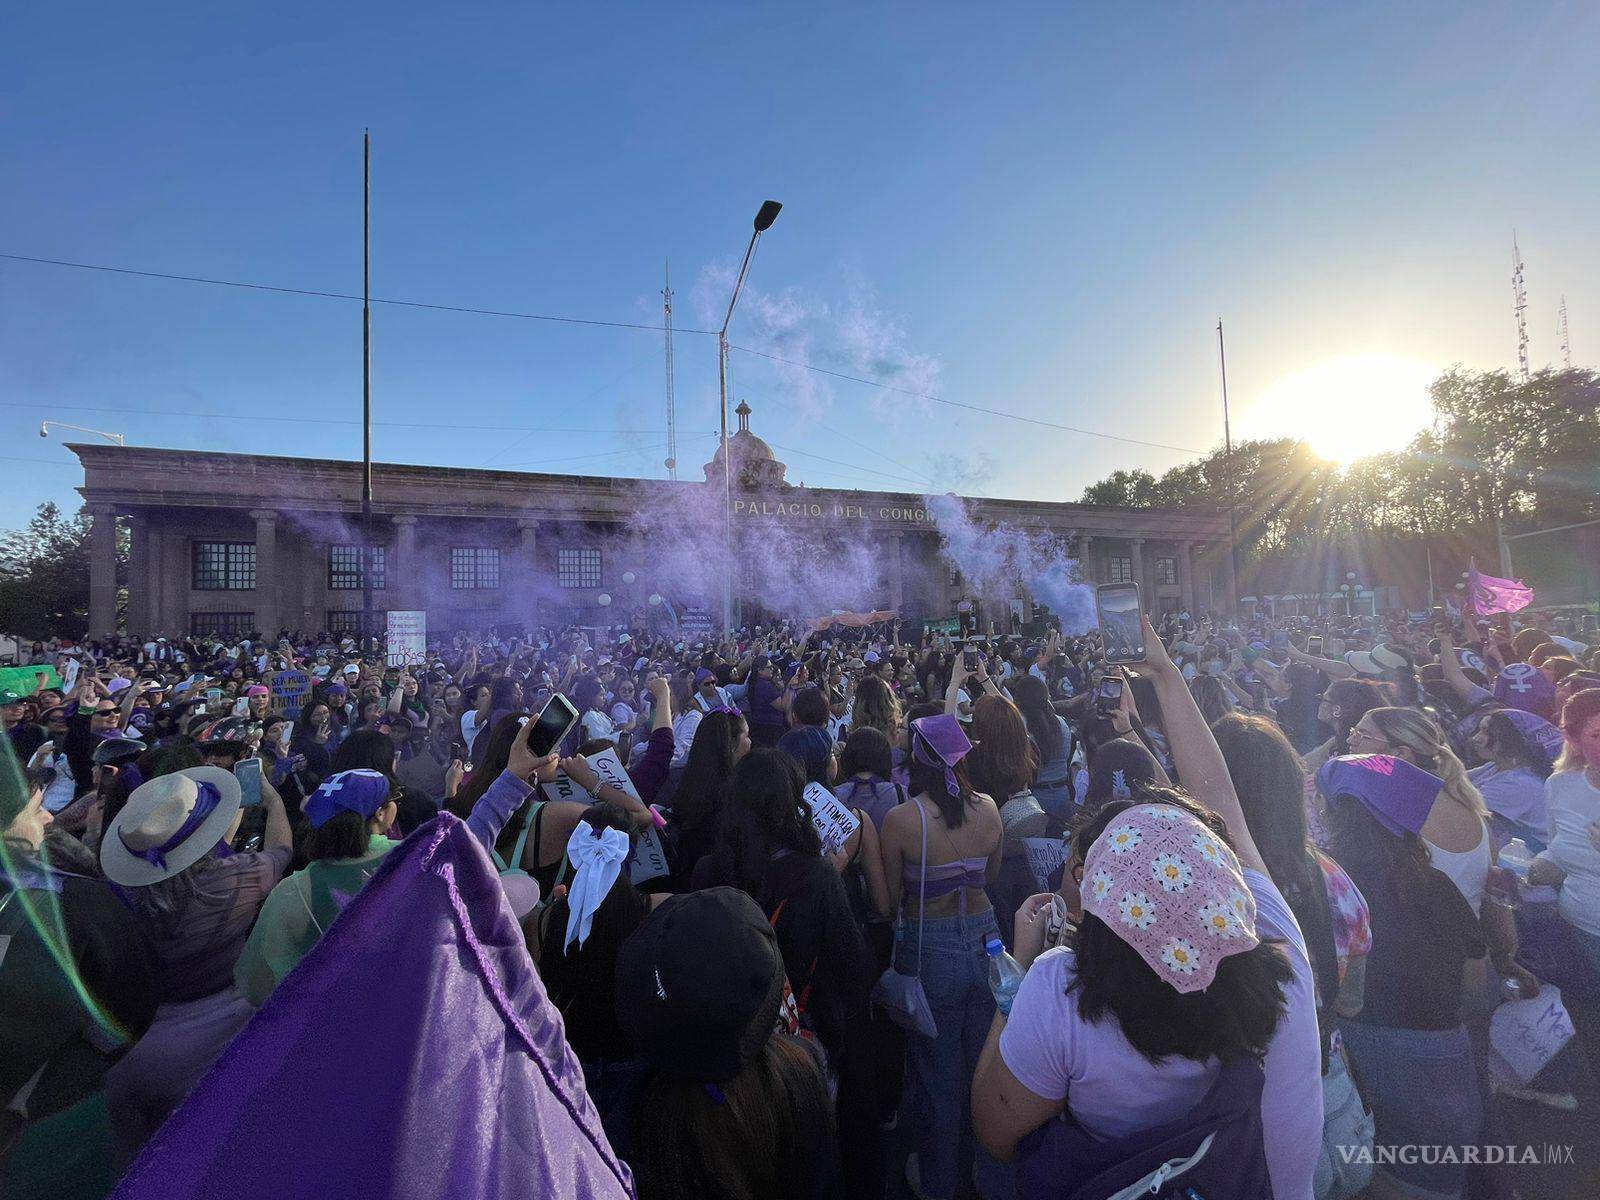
(1116, 771)
(699, 984)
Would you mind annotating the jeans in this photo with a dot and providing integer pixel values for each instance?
(955, 976)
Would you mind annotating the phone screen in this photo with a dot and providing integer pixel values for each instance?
(1108, 694)
(1121, 625)
(1314, 643)
(554, 722)
(248, 772)
(969, 659)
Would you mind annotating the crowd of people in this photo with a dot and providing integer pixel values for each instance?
(1232, 919)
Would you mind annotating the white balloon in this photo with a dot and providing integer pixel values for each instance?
(604, 598)
(628, 577)
(655, 597)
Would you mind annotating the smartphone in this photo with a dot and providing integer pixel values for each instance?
(1121, 622)
(969, 658)
(248, 772)
(551, 726)
(1314, 644)
(1108, 694)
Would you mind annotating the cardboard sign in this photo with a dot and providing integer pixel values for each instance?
(1045, 857)
(835, 823)
(290, 689)
(1527, 1034)
(407, 640)
(648, 860)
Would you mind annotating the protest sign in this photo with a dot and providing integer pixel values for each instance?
(1045, 857)
(1527, 1034)
(407, 641)
(835, 823)
(649, 858)
(289, 691)
(24, 681)
(69, 676)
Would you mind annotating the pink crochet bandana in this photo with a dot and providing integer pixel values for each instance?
(1171, 889)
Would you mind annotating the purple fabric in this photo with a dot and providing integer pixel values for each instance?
(205, 804)
(941, 736)
(1522, 685)
(411, 1054)
(359, 791)
(1399, 794)
(1537, 730)
(941, 879)
(1490, 595)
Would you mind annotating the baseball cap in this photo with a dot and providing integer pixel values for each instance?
(351, 669)
(702, 675)
(257, 689)
(699, 984)
(870, 656)
(7, 696)
(359, 791)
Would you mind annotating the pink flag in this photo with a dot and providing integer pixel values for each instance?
(1490, 595)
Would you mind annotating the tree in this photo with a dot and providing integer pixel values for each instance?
(1123, 489)
(44, 576)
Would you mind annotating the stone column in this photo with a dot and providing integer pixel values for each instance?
(401, 577)
(1085, 552)
(897, 574)
(527, 574)
(1186, 576)
(1229, 600)
(102, 570)
(267, 579)
(1137, 550)
(141, 597)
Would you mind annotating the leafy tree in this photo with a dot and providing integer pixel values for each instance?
(44, 575)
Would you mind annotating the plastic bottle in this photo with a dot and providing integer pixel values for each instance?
(1514, 856)
(1005, 976)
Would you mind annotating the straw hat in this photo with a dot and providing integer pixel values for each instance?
(158, 833)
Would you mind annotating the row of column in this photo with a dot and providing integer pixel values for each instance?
(1185, 556)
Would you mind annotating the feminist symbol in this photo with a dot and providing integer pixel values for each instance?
(1521, 678)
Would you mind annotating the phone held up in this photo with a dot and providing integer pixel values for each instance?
(248, 772)
(1314, 644)
(969, 658)
(1121, 622)
(551, 726)
(1108, 694)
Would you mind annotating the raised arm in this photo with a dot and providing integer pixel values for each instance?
(1333, 668)
(1450, 665)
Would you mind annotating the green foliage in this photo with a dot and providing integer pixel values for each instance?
(44, 576)
(1528, 453)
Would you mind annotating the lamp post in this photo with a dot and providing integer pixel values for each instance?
(116, 439)
(765, 216)
(1348, 589)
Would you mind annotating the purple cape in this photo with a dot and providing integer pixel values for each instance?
(412, 1053)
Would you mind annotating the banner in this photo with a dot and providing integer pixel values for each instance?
(852, 620)
(835, 823)
(1045, 857)
(24, 681)
(289, 691)
(1487, 594)
(407, 643)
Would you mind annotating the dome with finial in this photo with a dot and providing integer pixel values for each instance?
(754, 464)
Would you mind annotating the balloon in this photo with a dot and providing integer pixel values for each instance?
(655, 597)
(604, 598)
(628, 577)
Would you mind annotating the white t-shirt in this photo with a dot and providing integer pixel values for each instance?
(683, 727)
(621, 713)
(63, 789)
(469, 727)
(598, 727)
(1112, 1090)
(1574, 804)
(964, 715)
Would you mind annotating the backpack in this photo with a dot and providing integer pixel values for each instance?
(1215, 1150)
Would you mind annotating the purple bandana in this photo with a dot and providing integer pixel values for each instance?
(940, 742)
(1399, 794)
(204, 805)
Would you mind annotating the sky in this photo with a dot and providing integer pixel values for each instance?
(1040, 209)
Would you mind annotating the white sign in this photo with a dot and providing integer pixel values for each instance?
(407, 642)
(649, 858)
(1527, 1034)
(1045, 856)
(835, 823)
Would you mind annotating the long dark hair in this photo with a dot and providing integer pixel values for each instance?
(766, 812)
(1270, 780)
(708, 768)
(930, 781)
(1232, 1019)
(1351, 699)
(1506, 740)
(1033, 701)
(768, 1134)
(866, 750)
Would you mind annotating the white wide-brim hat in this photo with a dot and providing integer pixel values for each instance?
(155, 812)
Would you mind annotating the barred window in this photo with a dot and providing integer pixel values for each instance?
(227, 625)
(473, 567)
(578, 567)
(1121, 569)
(348, 620)
(224, 566)
(1166, 570)
(344, 567)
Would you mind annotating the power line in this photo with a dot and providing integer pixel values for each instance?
(852, 466)
(291, 291)
(566, 458)
(992, 412)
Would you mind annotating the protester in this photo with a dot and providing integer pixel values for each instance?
(1571, 862)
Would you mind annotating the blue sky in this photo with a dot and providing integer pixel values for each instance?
(1038, 208)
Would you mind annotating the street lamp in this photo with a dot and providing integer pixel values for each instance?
(767, 214)
(114, 438)
(1348, 589)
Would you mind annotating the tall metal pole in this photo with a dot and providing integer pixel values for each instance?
(367, 630)
(727, 457)
(1233, 489)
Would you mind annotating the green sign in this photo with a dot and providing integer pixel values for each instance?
(25, 680)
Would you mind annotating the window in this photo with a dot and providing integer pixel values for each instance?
(577, 567)
(1121, 569)
(1166, 570)
(227, 625)
(474, 567)
(348, 620)
(224, 566)
(344, 567)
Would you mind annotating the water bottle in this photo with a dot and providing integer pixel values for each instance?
(1005, 977)
(1516, 858)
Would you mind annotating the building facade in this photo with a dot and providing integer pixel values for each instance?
(233, 543)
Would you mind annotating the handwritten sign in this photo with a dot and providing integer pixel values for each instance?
(1527, 1034)
(1045, 857)
(649, 859)
(835, 823)
(407, 641)
(290, 689)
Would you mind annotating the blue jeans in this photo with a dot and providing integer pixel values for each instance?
(955, 976)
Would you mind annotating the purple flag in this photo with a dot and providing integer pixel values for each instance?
(411, 1054)
(1490, 595)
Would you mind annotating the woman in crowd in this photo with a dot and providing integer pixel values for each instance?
(350, 816)
(1187, 962)
(1512, 777)
(1211, 697)
(1408, 1044)
(721, 739)
(1344, 703)
(876, 707)
(196, 903)
(807, 740)
(940, 852)
(313, 743)
(733, 1109)
(865, 770)
(1052, 740)
(1571, 862)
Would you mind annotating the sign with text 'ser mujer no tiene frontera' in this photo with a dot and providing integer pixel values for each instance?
(802, 508)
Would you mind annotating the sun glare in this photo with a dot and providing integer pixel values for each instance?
(1348, 407)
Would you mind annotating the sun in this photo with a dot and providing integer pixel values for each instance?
(1348, 407)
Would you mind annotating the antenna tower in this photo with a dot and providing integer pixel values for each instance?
(672, 404)
(1561, 332)
(1519, 306)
